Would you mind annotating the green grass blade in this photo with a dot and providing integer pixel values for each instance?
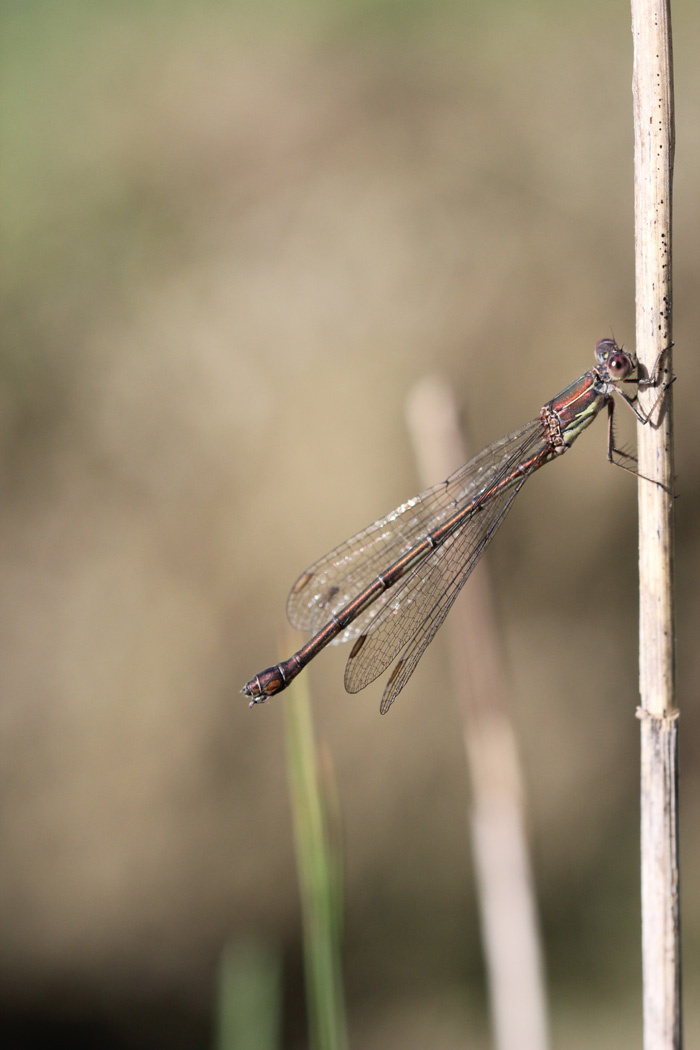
(319, 864)
(250, 998)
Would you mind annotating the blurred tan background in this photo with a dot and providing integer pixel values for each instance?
(233, 236)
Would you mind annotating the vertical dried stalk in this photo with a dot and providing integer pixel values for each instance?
(654, 147)
(508, 910)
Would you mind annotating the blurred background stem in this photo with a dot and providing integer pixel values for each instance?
(250, 997)
(319, 867)
(507, 904)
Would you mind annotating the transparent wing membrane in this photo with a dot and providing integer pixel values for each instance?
(443, 602)
(419, 607)
(333, 581)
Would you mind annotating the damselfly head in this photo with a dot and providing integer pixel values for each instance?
(618, 363)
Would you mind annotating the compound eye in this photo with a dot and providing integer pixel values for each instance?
(619, 365)
(603, 349)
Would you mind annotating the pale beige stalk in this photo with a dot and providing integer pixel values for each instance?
(507, 905)
(653, 177)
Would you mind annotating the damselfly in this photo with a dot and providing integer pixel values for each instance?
(391, 586)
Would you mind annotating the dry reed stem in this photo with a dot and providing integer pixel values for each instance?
(653, 170)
